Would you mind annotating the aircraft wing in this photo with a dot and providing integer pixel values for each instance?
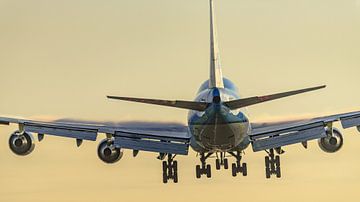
(275, 135)
(153, 137)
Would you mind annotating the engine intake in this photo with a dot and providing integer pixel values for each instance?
(108, 153)
(21, 144)
(332, 144)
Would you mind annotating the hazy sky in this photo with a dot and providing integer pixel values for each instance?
(61, 58)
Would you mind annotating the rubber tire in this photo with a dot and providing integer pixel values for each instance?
(170, 171)
(217, 163)
(244, 169)
(164, 165)
(267, 173)
(267, 162)
(208, 171)
(226, 164)
(278, 172)
(165, 178)
(277, 161)
(198, 174)
(234, 169)
(176, 179)
(175, 166)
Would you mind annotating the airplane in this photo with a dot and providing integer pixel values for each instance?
(217, 126)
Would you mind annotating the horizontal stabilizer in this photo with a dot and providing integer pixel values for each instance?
(198, 106)
(235, 104)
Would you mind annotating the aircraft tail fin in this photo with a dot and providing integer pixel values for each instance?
(216, 78)
(240, 103)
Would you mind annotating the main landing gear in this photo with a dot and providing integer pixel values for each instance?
(170, 169)
(238, 167)
(204, 169)
(221, 161)
(272, 164)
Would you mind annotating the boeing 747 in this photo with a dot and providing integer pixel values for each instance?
(217, 126)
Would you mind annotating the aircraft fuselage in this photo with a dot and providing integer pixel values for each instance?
(218, 129)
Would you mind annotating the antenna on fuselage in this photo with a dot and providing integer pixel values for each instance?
(216, 79)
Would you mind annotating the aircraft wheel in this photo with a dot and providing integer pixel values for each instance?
(175, 166)
(234, 169)
(226, 163)
(165, 178)
(198, 174)
(267, 172)
(278, 172)
(208, 171)
(217, 163)
(277, 161)
(244, 169)
(176, 177)
(165, 173)
(267, 162)
(164, 165)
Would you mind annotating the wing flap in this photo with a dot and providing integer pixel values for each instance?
(4, 122)
(273, 135)
(169, 136)
(348, 122)
(61, 131)
(153, 143)
(288, 136)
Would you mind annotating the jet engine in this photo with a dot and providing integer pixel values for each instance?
(108, 153)
(332, 143)
(21, 144)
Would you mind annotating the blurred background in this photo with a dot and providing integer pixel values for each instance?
(59, 59)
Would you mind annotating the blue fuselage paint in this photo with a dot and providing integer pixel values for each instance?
(218, 129)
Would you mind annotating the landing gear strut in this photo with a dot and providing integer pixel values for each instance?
(272, 164)
(221, 161)
(204, 169)
(170, 169)
(238, 167)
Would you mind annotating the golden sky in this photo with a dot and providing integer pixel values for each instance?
(61, 58)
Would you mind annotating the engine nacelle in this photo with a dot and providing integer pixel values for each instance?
(332, 144)
(108, 153)
(21, 144)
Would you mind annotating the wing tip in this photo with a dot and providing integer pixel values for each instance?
(315, 88)
(112, 97)
(318, 87)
